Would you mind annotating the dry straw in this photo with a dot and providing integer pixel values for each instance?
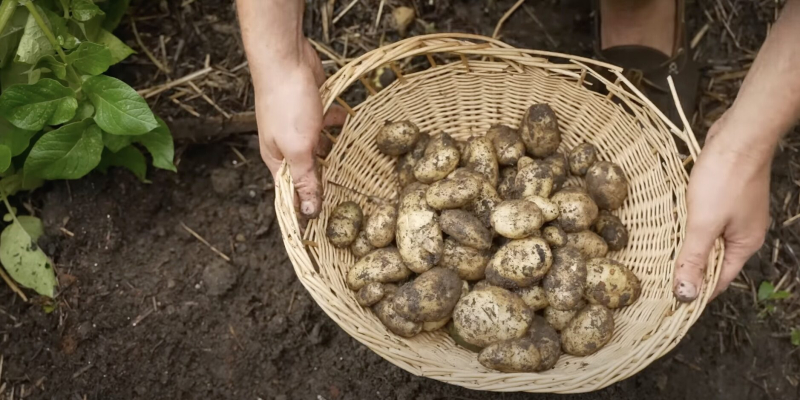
(476, 82)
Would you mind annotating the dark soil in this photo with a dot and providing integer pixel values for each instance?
(147, 311)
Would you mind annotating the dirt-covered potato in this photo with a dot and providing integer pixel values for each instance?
(344, 224)
(441, 158)
(524, 162)
(589, 331)
(533, 296)
(370, 294)
(490, 315)
(607, 184)
(361, 247)
(430, 297)
(480, 158)
(581, 157)
(407, 162)
(418, 236)
(453, 192)
(520, 263)
(612, 230)
(577, 210)
(539, 130)
(547, 341)
(559, 319)
(435, 325)
(554, 236)
(462, 146)
(468, 262)
(381, 265)
(507, 144)
(549, 209)
(396, 138)
(588, 243)
(465, 228)
(559, 167)
(535, 179)
(514, 355)
(381, 224)
(398, 325)
(611, 284)
(516, 219)
(506, 185)
(564, 283)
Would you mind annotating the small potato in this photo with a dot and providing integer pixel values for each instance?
(607, 184)
(453, 192)
(441, 158)
(539, 130)
(589, 331)
(361, 247)
(524, 162)
(382, 265)
(381, 225)
(534, 180)
(549, 209)
(407, 162)
(514, 355)
(435, 325)
(520, 263)
(482, 159)
(463, 147)
(468, 262)
(456, 336)
(588, 243)
(577, 210)
(507, 144)
(581, 157)
(505, 187)
(560, 319)
(396, 138)
(430, 297)
(533, 296)
(611, 284)
(554, 236)
(487, 200)
(547, 341)
(564, 283)
(419, 238)
(611, 229)
(490, 315)
(516, 219)
(398, 325)
(344, 224)
(465, 228)
(559, 167)
(370, 294)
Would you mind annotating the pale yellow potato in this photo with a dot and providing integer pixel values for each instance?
(539, 130)
(468, 262)
(559, 166)
(565, 281)
(397, 138)
(453, 192)
(440, 159)
(407, 162)
(577, 210)
(465, 228)
(607, 184)
(612, 230)
(506, 185)
(370, 294)
(554, 236)
(611, 284)
(344, 224)
(547, 341)
(533, 296)
(482, 159)
(549, 209)
(418, 236)
(490, 315)
(519, 263)
(381, 225)
(588, 243)
(435, 325)
(430, 297)
(581, 158)
(524, 162)
(535, 179)
(559, 319)
(516, 219)
(361, 247)
(398, 325)
(381, 265)
(508, 146)
(590, 330)
(514, 355)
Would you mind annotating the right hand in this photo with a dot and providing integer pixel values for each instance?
(290, 121)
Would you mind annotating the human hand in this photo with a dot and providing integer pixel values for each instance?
(728, 196)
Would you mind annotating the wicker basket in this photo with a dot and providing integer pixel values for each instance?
(484, 83)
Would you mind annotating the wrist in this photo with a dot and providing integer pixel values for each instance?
(749, 131)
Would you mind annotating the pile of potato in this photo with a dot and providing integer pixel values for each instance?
(485, 236)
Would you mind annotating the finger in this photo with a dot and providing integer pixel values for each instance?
(690, 265)
(271, 156)
(732, 264)
(306, 182)
(335, 116)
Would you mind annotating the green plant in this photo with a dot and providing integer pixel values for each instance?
(60, 117)
(795, 337)
(767, 295)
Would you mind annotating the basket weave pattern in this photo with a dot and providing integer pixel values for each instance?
(488, 82)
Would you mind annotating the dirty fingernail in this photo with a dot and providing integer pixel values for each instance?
(307, 207)
(685, 292)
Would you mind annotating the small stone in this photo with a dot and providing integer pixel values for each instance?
(240, 238)
(225, 180)
(171, 283)
(219, 277)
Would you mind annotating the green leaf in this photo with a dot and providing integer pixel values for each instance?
(16, 139)
(33, 44)
(115, 10)
(119, 50)
(58, 25)
(5, 157)
(115, 142)
(120, 110)
(84, 10)
(129, 157)
(765, 290)
(23, 259)
(796, 337)
(11, 184)
(10, 37)
(85, 110)
(779, 295)
(69, 152)
(159, 143)
(31, 107)
(17, 73)
(58, 68)
(90, 58)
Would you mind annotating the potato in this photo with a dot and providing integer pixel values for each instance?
(589, 331)
(407, 162)
(607, 184)
(344, 223)
(560, 319)
(418, 236)
(453, 192)
(396, 138)
(611, 229)
(462, 146)
(559, 167)
(398, 325)
(519, 263)
(539, 130)
(516, 219)
(381, 265)
(441, 158)
(505, 186)
(534, 180)
(547, 341)
(381, 224)
(370, 294)
(565, 281)
(581, 157)
(577, 210)
(481, 158)
(361, 247)
(533, 296)
(611, 284)
(490, 315)
(514, 355)
(554, 236)
(430, 297)
(487, 200)
(524, 162)
(507, 144)
(549, 209)
(588, 243)
(465, 228)
(435, 325)
(468, 262)
(452, 331)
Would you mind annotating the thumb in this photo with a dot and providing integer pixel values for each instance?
(735, 257)
(690, 266)
(303, 168)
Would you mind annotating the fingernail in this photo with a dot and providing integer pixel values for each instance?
(685, 292)
(307, 207)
